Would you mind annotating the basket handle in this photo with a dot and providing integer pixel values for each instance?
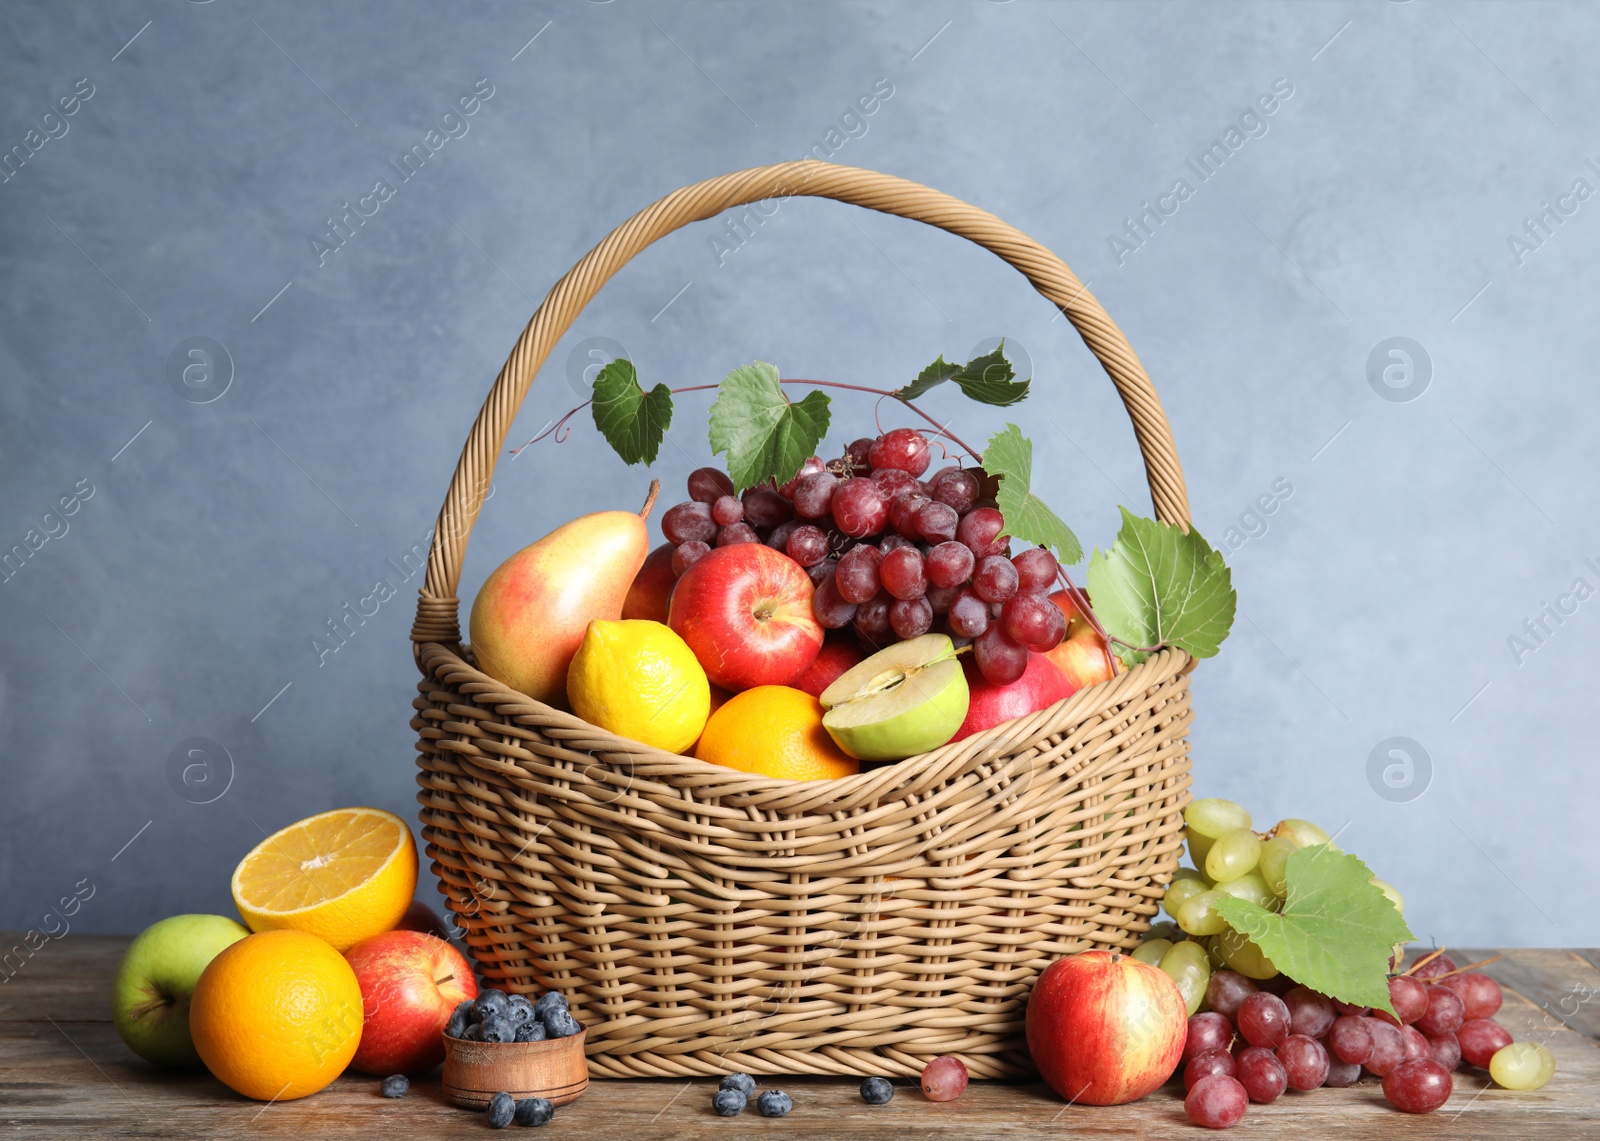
(437, 606)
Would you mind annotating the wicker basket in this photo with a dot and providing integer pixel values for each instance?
(702, 920)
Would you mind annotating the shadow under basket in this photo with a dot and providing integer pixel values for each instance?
(702, 921)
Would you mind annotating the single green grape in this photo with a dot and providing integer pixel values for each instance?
(1212, 817)
(1210, 944)
(1389, 890)
(1189, 874)
(1241, 954)
(1522, 1066)
(1180, 892)
(1302, 832)
(1199, 846)
(1197, 915)
(1186, 964)
(1233, 854)
(1253, 887)
(1274, 863)
(1151, 950)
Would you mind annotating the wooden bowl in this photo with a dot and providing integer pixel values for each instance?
(554, 1068)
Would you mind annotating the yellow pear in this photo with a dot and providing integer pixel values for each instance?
(530, 616)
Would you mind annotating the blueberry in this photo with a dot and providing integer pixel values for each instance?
(728, 1102)
(549, 1001)
(877, 1091)
(774, 1103)
(561, 1024)
(490, 1002)
(498, 1028)
(396, 1085)
(501, 1110)
(460, 1019)
(473, 1032)
(520, 1009)
(744, 1083)
(532, 1031)
(535, 1111)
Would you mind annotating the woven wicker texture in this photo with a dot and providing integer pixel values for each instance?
(702, 920)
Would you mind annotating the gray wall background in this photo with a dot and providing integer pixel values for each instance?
(1377, 598)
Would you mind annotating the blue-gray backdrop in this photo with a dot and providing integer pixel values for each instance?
(1353, 243)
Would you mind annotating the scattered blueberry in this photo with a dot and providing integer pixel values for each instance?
(744, 1083)
(396, 1085)
(501, 1110)
(533, 1031)
(728, 1102)
(490, 1002)
(498, 1028)
(550, 1000)
(560, 1023)
(535, 1111)
(520, 1009)
(774, 1103)
(877, 1091)
(473, 1032)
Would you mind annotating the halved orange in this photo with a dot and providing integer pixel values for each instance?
(342, 876)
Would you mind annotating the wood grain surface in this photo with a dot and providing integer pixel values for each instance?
(64, 1073)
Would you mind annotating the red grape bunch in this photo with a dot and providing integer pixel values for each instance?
(893, 555)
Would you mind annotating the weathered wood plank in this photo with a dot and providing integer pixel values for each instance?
(67, 1077)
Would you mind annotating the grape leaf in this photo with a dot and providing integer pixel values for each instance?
(632, 420)
(765, 436)
(1336, 930)
(1009, 455)
(986, 379)
(1160, 586)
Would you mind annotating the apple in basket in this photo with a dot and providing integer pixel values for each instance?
(745, 611)
(1105, 1028)
(1082, 655)
(1040, 686)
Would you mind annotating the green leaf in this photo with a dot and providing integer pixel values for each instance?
(1335, 932)
(632, 421)
(1160, 586)
(986, 379)
(765, 436)
(1009, 455)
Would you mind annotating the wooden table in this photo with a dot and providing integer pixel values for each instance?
(64, 1073)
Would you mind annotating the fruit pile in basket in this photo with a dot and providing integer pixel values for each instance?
(805, 614)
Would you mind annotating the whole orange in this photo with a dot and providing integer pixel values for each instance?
(776, 731)
(277, 1015)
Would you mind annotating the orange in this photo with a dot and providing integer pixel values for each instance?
(343, 876)
(776, 731)
(276, 1016)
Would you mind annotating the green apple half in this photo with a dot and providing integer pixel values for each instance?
(903, 700)
(150, 995)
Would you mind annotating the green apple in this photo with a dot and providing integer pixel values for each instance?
(903, 700)
(150, 995)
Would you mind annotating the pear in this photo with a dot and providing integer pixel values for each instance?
(903, 700)
(529, 618)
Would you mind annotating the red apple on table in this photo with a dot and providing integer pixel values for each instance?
(1083, 655)
(1104, 1028)
(745, 611)
(410, 983)
(837, 656)
(1041, 685)
(652, 587)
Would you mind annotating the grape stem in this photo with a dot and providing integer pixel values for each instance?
(562, 427)
(1464, 970)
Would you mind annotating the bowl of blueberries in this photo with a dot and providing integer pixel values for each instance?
(501, 1043)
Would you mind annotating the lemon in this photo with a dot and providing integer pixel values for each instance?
(639, 679)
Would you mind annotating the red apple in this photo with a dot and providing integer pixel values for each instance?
(1082, 655)
(410, 983)
(1040, 685)
(652, 587)
(836, 657)
(420, 917)
(745, 611)
(1104, 1028)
